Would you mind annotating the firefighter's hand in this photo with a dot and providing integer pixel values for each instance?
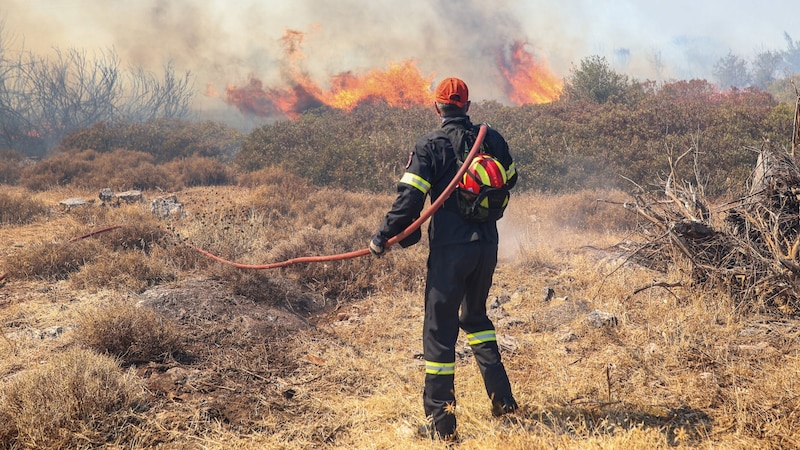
(377, 246)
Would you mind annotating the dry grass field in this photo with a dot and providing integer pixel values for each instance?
(130, 339)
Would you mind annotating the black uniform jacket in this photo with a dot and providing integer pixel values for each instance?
(431, 167)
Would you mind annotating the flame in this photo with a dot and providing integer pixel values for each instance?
(211, 91)
(529, 81)
(401, 85)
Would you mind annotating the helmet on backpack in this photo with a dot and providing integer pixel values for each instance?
(484, 170)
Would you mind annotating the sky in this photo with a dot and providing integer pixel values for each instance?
(225, 42)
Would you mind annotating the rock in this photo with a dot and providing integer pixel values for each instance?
(130, 196)
(52, 332)
(567, 335)
(601, 319)
(549, 293)
(106, 195)
(72, 202)
(496, 311)
(166, 207)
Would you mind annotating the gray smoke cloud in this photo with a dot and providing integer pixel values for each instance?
(224, 43)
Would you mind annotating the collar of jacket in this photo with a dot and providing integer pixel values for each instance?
(459, 120)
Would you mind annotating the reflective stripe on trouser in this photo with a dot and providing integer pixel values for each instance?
(439, 396)
(439, 368)
(495, 379)
(487, 355)
(458, 282)
(481, 337)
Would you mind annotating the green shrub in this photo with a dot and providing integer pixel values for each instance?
(365, 148)
(562, 146)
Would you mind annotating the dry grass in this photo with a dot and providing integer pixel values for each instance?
(124, 271)
(75, 399)
(51, 260)
(128, 332)
(18, 209)
(325, 355)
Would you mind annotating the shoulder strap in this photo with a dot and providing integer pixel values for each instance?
(461, 140)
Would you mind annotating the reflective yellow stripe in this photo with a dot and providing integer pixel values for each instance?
(483, 176)
(481, 337)
(438, 368)
(416, 181)
(511, 171)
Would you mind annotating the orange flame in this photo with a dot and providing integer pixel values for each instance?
(529, 81)
(401, 85)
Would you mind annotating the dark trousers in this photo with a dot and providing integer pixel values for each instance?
(459, 278)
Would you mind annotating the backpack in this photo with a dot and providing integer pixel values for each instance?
(489, 203)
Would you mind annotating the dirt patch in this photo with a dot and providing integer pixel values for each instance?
(238, 354)
(199, 301)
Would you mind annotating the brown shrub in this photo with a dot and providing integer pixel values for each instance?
(139, 229)
(51, 260)
(59, 170)
(165, 139)
(76, 399)
(590, 210)
(343, 223)
(119, 170)
(125, 169)
(132, 333)
(132, 270)
(175, 253)
(201, 171)
(19, 210)
(229, 230)
(272, 175)
(10, 166)
(339, 208)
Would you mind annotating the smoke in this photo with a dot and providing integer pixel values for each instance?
(223, 43)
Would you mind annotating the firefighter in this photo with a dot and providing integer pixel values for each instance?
(461, 260)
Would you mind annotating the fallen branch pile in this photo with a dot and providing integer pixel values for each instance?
(750, 247)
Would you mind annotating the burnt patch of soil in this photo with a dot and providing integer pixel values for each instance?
(239, 358)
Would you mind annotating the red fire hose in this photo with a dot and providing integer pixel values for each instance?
(365, 251)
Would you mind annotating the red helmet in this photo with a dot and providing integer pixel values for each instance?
(484, 170)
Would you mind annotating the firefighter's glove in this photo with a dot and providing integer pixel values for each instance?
(377, 246)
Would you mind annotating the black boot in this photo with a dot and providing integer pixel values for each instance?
(504, 405)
